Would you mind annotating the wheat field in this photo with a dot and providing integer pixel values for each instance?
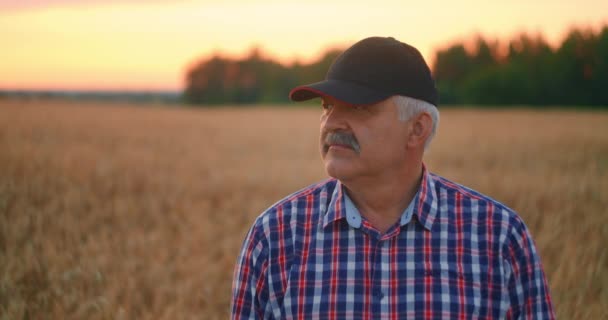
(138, 212)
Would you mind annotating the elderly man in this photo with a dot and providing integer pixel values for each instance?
(385, 238)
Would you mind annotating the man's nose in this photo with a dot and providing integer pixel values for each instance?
(336, 118)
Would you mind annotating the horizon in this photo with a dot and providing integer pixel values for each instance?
(149, 47)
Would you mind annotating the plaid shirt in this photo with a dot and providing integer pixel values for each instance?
(454, 254)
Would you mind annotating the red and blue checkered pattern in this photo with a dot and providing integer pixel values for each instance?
(461, 255)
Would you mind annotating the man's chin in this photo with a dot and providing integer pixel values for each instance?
(338, 169)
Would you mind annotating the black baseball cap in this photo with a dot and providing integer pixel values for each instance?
(372, 70)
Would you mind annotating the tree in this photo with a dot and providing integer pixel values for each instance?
(250, 80)
(530, 73)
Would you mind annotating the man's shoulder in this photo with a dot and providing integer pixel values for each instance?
(315, 197)
(447, 188)
(317, 190)
(474, 205)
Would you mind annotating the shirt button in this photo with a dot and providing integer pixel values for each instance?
(379, 294)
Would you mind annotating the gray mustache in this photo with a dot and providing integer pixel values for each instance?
(340, 137)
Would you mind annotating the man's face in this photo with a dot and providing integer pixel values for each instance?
(362, 141)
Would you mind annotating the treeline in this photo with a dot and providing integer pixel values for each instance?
(523, 71)
(159, 97)
(254, 79)
(526, 71)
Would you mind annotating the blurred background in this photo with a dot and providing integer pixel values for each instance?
(140, 139)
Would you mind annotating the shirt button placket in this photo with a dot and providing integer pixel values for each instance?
(377, 278)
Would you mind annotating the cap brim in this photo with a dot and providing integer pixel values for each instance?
(346, 92)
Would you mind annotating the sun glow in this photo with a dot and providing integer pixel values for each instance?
(135, 46)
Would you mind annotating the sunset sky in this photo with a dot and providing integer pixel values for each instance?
(148, 45)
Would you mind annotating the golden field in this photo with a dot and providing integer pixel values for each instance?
(133, 212)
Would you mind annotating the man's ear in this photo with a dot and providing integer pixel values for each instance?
(420, 130)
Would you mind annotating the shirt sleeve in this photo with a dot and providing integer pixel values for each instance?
(249, 286)
(528, 291)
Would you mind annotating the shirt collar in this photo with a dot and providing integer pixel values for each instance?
(423, 206)
(426, 206)
(353, 216)
(335, 209)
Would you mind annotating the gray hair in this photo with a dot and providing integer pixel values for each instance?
(409, 107)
